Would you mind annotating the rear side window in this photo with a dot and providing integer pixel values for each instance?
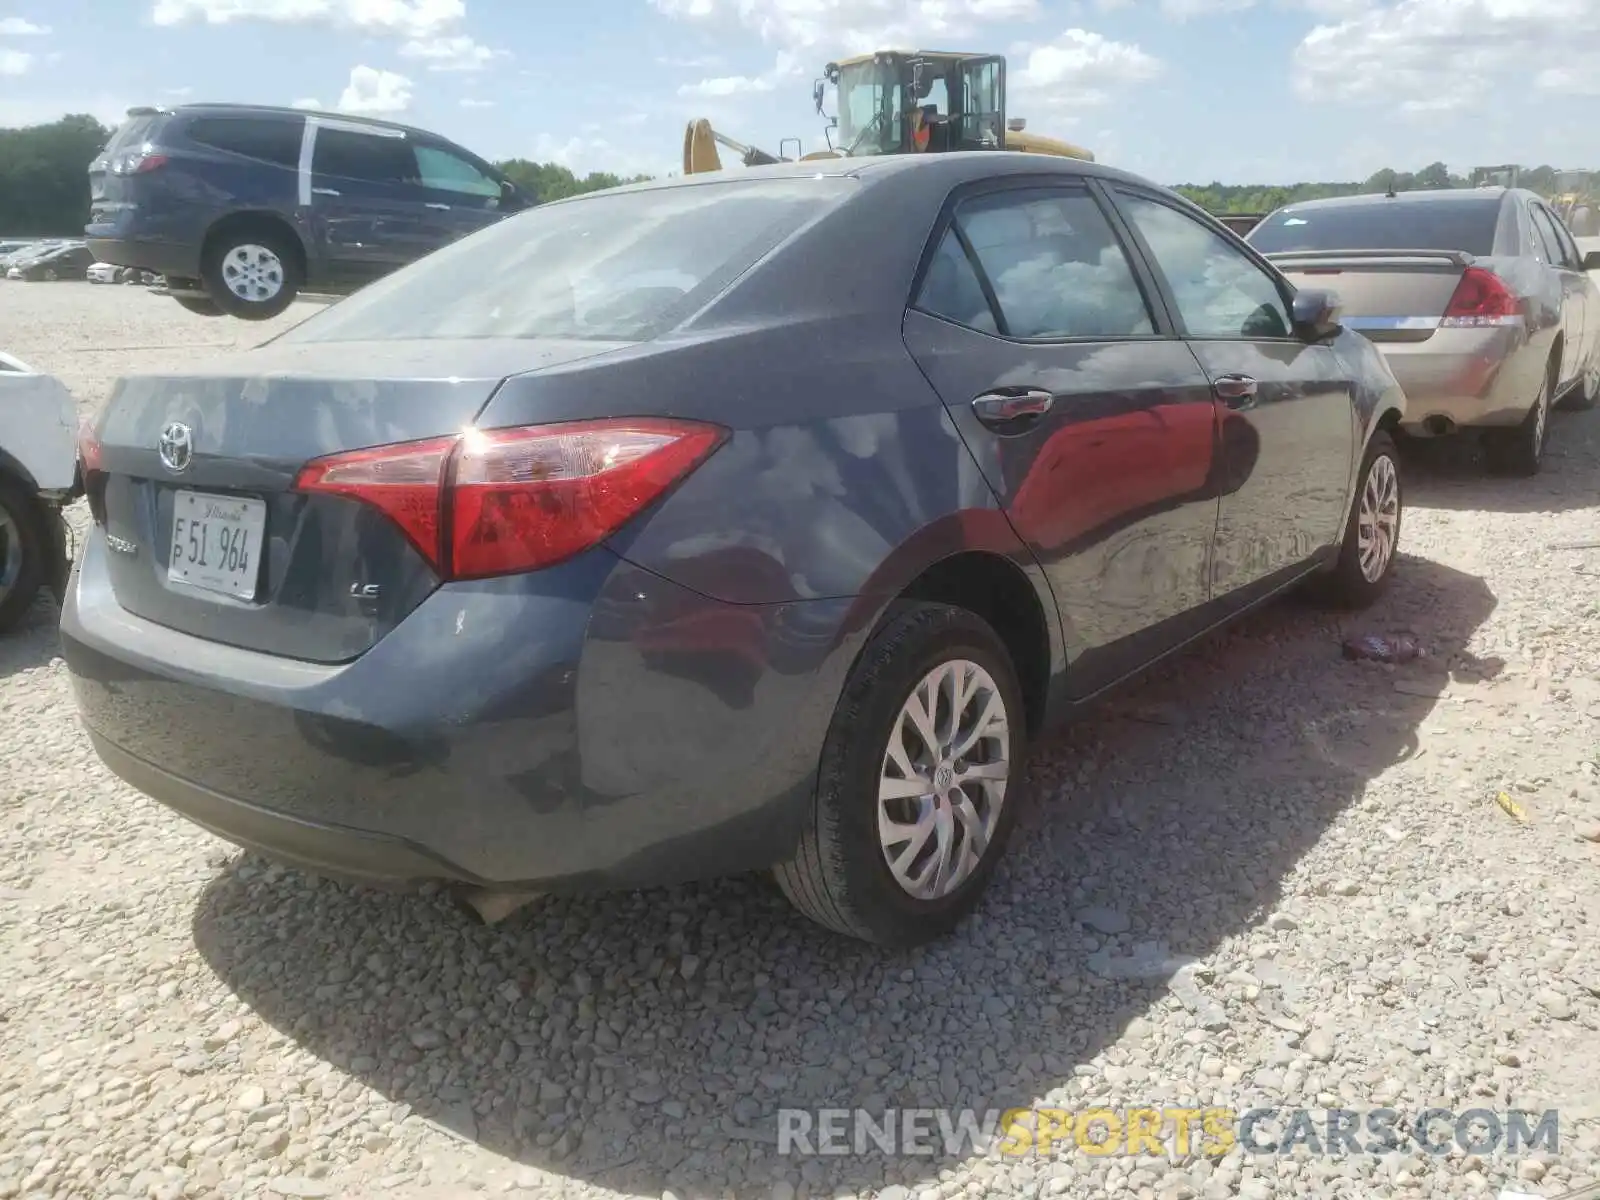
(623, 266)
(1549, 235)
(1449, 223)
(268, 139)
(365, 156)
(951, 290)
(1053, 263)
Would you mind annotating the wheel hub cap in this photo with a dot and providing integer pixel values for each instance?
(943, 779)
(253, 273)
(1378, 522)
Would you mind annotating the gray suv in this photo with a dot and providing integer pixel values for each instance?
(243, 206)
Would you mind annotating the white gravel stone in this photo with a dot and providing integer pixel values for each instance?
(179, 1019)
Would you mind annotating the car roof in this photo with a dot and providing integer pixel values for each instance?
(1417, 196)
(936, 170)
(210, 108)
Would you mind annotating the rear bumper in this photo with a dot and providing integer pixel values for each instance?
(1467, 378)
(584, 727)
(180, 259)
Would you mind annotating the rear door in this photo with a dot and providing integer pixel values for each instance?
(1093, 424)
(457, 188)
(369, 212)
(1567, 265)
(1288, 413)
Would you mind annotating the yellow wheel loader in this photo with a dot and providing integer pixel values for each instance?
(900, 102)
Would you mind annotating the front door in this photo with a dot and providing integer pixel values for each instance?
(368, 211)
(1288, 429)
(1094, 426)
(465, 195)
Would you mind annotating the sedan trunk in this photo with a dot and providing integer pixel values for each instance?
(205, 531)
(1388, 295)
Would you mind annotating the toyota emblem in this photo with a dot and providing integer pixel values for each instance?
(176, 447)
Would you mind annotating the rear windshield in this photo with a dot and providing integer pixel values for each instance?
(135, 131)
(1445, 224)
(625, 266)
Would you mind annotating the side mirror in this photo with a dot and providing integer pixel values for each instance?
(1316, 314)
(1591, 261)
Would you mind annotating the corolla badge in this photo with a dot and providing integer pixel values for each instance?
(176, 447)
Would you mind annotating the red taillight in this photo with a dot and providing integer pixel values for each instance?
(149, 162)
(138, 162)
(1482, 298)
(500, 501)
(90, 469)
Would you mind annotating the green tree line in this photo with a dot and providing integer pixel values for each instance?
(44, 182)
(1224, 198)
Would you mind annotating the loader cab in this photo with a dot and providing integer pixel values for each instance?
(911, 102)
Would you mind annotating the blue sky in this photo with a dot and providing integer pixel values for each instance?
(1178, 90)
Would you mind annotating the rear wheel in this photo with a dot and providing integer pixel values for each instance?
(23, 542)
(251, 272)
(1520, 451)
(1372, 533)
(918, 784)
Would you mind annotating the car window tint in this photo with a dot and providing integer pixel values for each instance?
(268, 139)
(1056, 267)
(451, 173)
(1220, 292)
(363, 156)
(614, 266)
(1450, 222)
(951, 289)
(1548, 242)
(1569, 246)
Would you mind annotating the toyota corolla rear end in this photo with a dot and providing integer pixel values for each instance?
(336, 608)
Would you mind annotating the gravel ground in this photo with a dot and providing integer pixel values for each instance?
(1318, 840)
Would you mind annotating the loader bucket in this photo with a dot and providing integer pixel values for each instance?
(700, 148)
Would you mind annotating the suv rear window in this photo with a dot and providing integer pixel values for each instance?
(620, 267)
(1449, 223)
(132, 132)
(268, 139)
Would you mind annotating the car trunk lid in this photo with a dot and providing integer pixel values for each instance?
(1388, 295)
(111, 169)
(205, 531)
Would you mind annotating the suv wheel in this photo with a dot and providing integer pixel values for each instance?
(23, 541)
(918, 784)
(251, 273)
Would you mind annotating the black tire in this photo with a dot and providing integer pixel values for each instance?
(212, 272)
(23, 514)
(1347, 585)
(839, 876)
(201, 306)
(1520, 451)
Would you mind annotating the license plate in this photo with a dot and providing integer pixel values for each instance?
(216, 543)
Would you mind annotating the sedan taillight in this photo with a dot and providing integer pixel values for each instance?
(501, 501)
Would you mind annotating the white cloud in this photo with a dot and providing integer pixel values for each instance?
(1183, 10)
(472, 102)
(852, 26)
(18, 27)
(1079, 69)
(786, 67)
(375, 93)
(407, 18)
(14, 62)
(457, 52)
(1436, 56)
(314, 104)
(585, 155)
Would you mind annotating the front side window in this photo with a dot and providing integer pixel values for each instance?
(446, 172)
(1055, 266)
(613, 266)
(1220, 292)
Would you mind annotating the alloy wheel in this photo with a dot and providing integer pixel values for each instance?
(253, 273)
(1378, 521)
(943, 779)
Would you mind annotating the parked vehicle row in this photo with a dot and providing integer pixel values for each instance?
(47, 261)
(242, 207)
(990, 433)
(1479, 299)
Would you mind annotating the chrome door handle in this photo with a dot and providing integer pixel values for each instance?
(1008, 407)
(440, 207)
(1236, 391)
(326, 191)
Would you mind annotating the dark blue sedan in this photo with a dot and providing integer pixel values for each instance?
(755, 520)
